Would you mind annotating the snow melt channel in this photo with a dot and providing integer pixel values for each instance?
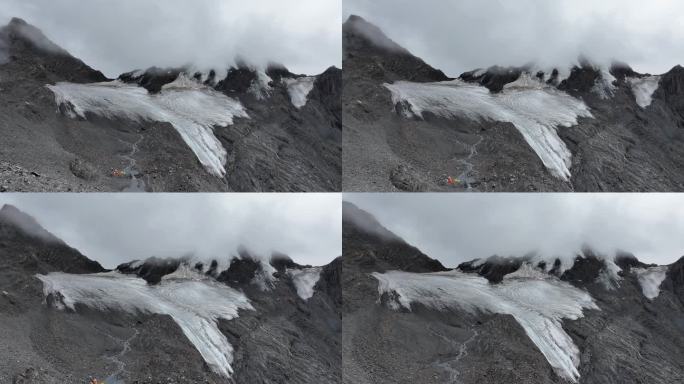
(537, 304)
(195, 305)
(305, 280)
(535, 110)
(299, 89)
(191, 108)
(643, 89)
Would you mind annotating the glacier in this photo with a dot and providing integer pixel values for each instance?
(535, 109)
(193, 301)
(650, 280)
(538, 304)
(299, 89)
(305, 280)
(643, 89)
(190, 107)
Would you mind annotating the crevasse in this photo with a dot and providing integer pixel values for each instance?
(537, 304)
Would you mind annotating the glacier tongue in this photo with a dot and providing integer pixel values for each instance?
(536, 111)
(192, 109)
(194, 304)
(538, 305)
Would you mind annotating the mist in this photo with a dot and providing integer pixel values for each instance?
(457, 227)
(119, 36)
(117, 228)
(461, 35)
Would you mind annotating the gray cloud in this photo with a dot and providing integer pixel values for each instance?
(115, 228)
(460, 35)
(457, 227)
(119, 36)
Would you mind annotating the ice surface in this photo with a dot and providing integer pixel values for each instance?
(191, 108)
(650, 280)
(305, 280)
(537, 304)
(536, 112)
(643, 89)
(299, 89)
(195, 304)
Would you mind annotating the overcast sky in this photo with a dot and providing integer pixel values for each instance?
(116, 228)
(461, 35)
(459, 227)
(122, 35)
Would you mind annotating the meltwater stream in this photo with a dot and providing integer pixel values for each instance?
(537, 304)
(195, 304)
(536, 110)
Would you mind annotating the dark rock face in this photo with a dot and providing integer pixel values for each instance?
(240, 272)
(674, 280)
(26, 245)
(494, 78)
(383, 60)
(151, 270)
(372, 247)
(494, 269)
(153, 79)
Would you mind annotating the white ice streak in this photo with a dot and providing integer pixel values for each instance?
(305, 280)
(609, 275)
(650, 280)
(191, 108)
(195, 305)
(260, 86)
(536, 111)
(264, 277)
(604, 85)
(643, 89)
(299, 89)
(538, 305)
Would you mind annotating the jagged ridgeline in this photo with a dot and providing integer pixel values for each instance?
(582, 127)
(241, 128)
(242, 318)
(594, 318)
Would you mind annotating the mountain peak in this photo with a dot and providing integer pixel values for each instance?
(9, 214)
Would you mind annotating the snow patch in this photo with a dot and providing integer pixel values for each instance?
(305, 280)
(299, 89)
(263, 277)
(195, 305)
(191, 108)
(260, 87)
(643, 89)
(609, 275)
(604, 85)
(650, 280)
(527, 271)
(536, 112)
(538, 305)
